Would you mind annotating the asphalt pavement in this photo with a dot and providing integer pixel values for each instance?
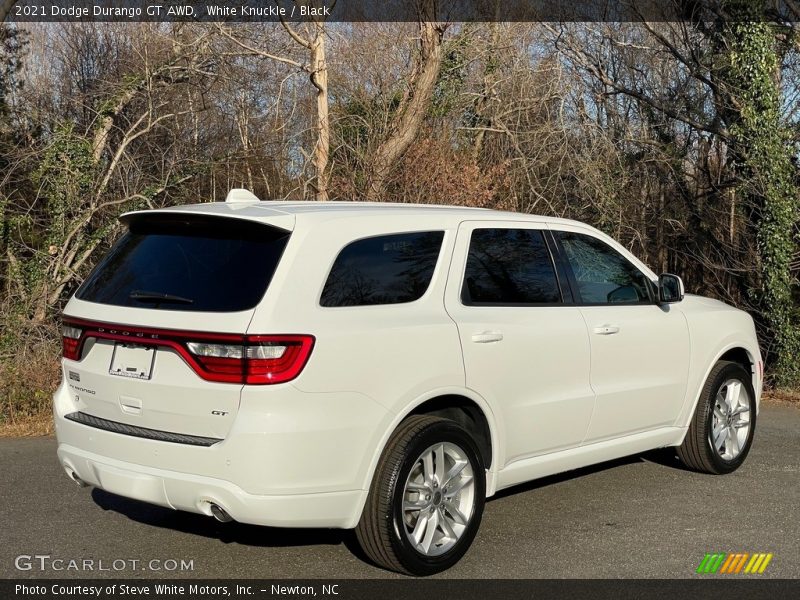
(641, 517)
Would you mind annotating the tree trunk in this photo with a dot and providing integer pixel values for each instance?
(107, 122)
(406, 122)
(319, 77)
(483, 119)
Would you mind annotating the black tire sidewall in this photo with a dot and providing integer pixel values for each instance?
(415, 562)
(729, 371)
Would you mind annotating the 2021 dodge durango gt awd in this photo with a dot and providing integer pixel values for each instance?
(385, 367)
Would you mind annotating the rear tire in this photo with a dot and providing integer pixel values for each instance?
(721, 432)
(426, 499)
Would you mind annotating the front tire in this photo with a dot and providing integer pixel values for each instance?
(426, 499)
(722, 428)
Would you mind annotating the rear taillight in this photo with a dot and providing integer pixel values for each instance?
(274, 359)
(218, 362)
(258, 360)
(71, 342)
(221, 357)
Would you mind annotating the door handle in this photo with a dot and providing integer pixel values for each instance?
(487, 337)
(606, 330)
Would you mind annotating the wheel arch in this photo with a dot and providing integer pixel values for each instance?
(467, 413)
(735, 352)
(443, 402)
(739, 355)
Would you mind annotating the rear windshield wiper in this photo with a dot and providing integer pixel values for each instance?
(144, 296)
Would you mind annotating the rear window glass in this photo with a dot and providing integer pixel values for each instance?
(509, 266)
(386, 269)
(197, 263)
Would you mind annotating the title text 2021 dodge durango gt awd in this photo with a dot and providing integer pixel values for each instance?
(385, 367)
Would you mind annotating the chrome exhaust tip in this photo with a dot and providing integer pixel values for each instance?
(219, 514)
(78, 481)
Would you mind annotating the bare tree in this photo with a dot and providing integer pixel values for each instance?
(313, 42)
(408, 117)
(146, 110)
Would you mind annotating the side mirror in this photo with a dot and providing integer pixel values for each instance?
(670, 288)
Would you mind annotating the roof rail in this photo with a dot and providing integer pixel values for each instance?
(241, 195)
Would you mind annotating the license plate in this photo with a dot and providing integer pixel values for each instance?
(132, 361)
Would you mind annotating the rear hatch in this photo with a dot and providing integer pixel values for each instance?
(155, 338)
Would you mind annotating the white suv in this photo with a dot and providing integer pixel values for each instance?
(385, 367)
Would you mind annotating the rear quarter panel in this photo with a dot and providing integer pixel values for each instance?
(395, 355)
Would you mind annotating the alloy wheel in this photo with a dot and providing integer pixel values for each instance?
(730, 423)
(438, 499)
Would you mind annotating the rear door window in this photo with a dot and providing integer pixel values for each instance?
(507, 267)
(188, 263)
(385, 269)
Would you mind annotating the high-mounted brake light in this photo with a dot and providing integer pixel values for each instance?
(221, 357)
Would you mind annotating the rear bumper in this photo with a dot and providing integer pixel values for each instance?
(291, 459)
(195, 493)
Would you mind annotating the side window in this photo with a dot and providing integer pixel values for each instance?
(603, 275)
(386, 269)
(509, 266)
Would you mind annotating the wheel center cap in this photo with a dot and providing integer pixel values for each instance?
(437, 498)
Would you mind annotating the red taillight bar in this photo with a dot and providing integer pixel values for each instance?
(243, 369)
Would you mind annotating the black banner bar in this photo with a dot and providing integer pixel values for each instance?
(385, 10)
(730, 588)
